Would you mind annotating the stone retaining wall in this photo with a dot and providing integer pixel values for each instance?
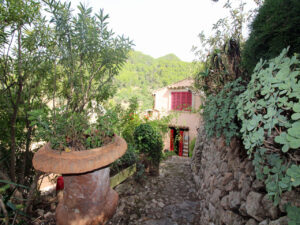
(229, 192)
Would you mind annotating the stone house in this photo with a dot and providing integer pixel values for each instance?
(179, 100)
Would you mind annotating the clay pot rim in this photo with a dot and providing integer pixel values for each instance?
(52, 161)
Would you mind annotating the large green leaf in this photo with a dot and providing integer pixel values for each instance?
(296, 108)
(295, 130)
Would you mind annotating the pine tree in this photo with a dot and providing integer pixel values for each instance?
(276, 26)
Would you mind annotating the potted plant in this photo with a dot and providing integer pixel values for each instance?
(87, 197)
(85, 57)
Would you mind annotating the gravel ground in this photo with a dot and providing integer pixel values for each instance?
(169, 199)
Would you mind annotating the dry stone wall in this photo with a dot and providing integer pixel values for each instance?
(226, 184)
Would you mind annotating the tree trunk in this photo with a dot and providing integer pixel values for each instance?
(24, 169)
(15, 104)
(13, 144)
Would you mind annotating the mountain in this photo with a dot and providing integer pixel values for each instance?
(169, 57)
(142, 74)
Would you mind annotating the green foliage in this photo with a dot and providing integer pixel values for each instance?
(275, 27)
(148, 141)
(70, 131)
(128, 159)
(294, 173)
(268, 110)
(221, 50)
(142, 74)
(191, 147)
(130, 120)
(220, 112)
(140, 176)
(162, 124)
(89, 54)
(168, 154)
(275, 179)
(293, 214)
(129, 128)
(221, 67)
(12, 206)
(270, 104)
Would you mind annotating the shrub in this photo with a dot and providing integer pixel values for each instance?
(270, 114)
(149, 141)
(168, 154)
(191, 147)
(276, 26)
(220, 113)
(128, 159)
(73, 131)
(129, 127)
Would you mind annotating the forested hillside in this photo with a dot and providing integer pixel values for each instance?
(142, 74)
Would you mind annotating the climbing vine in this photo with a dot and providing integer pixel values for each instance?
(220, 111)
(270, 114)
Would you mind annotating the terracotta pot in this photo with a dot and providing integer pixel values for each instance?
(87, 197)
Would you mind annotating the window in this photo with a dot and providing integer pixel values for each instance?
(181, 101)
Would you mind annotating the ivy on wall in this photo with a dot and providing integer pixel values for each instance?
(269, 111)
(220, 111)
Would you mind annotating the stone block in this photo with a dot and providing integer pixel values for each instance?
(230, 218)
(234, 199)
(225, 202)
(253, 206)
(249, 169)
(215, 197)
(258, 185)
(264, 222)
(251, 222)
(246, 188)
(227, 178)
(281, 221)
(232, 185)
(271, 210)
(242, 209)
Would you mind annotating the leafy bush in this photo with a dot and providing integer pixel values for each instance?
(269, 112)
(149, 141)
(128, 159)
(167, 154)
(220, 112)
(293, 214)
(129, 127)
(162, 124)
(276, 26)
(10, 205)
(270, 105)
(191, 147)
(68, 131)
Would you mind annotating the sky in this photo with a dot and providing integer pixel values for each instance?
(160, 27)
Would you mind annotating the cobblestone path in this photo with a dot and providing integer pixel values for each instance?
(169, 199)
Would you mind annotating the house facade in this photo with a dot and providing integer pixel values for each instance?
(179, 100)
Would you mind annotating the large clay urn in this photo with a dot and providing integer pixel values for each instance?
(87, 197)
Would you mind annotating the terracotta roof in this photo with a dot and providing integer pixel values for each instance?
(188, 82)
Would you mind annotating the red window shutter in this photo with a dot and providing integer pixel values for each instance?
(178, 101)
(181, 101)
(182, 96)
(189, 100)
(184, 101)
(173, 101)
